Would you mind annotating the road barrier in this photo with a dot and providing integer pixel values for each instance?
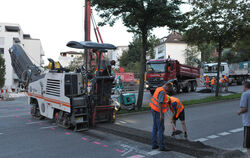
(4, 95)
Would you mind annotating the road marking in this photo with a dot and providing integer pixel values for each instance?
(29, 123)
(98, 143)
(237, 130)
(67, 133)
(136, 156)
(201, 140)
(48, 127)
(212, 136)
(122, 121)
(1, 133)
(154, 152)
(224, 133)
(118, 150)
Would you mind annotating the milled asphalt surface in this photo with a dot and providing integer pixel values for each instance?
(214, 124)
(21, 136)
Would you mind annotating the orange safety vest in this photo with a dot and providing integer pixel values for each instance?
(213, 82)
(226, 79)
(179, 106)
(207, 80)
(154, 100)
(221, 80)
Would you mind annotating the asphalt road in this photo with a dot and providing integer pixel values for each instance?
(21, 136)
(213, 124)
(192, 95)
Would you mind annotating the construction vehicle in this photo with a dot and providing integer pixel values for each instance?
(62, 95)
(162, 71)
(123, 101)
(237, 72)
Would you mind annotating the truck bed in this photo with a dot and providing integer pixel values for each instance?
(188, 71)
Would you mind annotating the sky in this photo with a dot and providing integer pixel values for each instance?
(55, 22)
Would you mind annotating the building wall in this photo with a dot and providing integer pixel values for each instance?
(66, 60)
(175, 50)
(6, 41)
(116, 54)
(34, 50)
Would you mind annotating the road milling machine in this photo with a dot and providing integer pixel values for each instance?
(74, 100)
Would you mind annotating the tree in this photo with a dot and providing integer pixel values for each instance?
(191, 54)
(77, 62)
(140, 17)
(2, 71)
(222, 22)
(131, 57)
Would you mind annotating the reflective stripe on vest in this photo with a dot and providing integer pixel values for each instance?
(154, 104)
(179, 106)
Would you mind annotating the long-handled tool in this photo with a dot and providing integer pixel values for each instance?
(175, 131)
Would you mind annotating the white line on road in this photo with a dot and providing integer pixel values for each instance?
(1, 133)
(48, 127)
(154, 152)
(29, 123)
(212, 136)
(237, 130)
(201, 140)
(122, 121)
(224, 133)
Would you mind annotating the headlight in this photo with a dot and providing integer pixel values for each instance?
(146, 86)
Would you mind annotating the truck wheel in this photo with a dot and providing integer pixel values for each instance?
(152, 92)
(189, 87)
(176, 88)
(194, 86)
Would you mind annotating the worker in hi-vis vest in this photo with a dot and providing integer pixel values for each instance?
(213, 84)
(158, 106)
(177, 109)
(226, 82)
(207, 82)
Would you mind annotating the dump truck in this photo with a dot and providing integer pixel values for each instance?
(236, 72)
(162, 71)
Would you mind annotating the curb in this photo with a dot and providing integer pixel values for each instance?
(196, 149)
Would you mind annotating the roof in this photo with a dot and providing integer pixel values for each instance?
(213, 64)
(71, 52)
(174, 37)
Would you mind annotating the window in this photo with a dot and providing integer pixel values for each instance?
(161, 50)
(156, 67)
(1, 41)
(162, 57)
(1, 50)
(72, 56)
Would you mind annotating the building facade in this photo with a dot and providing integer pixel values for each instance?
(66, 58)
(116, 54)
(174, 46)
(12, 34)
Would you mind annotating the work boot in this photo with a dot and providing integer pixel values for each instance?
(185, 135)
(155, 147)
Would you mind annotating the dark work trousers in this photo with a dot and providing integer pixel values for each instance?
(158, 130)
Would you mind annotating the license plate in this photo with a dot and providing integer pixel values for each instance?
(79, 119)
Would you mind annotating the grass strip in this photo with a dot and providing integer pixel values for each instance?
(190, 102)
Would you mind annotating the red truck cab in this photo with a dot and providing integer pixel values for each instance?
(161, 71)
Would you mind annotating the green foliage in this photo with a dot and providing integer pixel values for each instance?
(77, 62)
(140, 17)
(191, 55)
(2, 71)
(130, 58)
(207, 50)
(223, 22)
